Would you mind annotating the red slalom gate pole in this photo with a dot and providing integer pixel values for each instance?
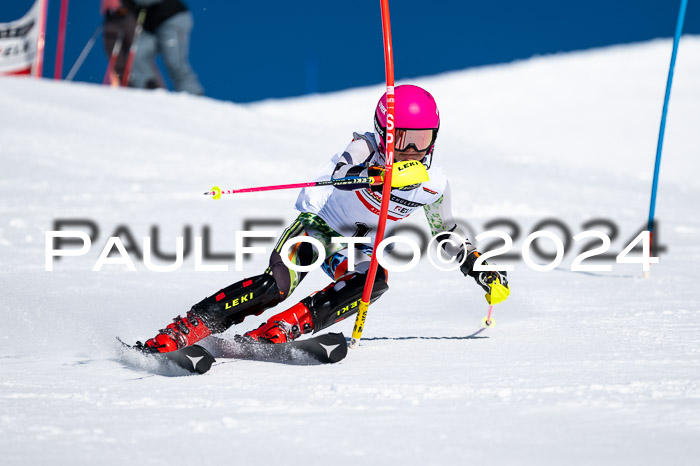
(41, 41)
(61, 40)
(386, 190)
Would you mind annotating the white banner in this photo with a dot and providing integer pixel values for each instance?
(19, 42)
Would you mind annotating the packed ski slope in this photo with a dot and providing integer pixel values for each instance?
(582, 368)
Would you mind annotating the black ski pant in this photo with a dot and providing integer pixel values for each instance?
(254, 295)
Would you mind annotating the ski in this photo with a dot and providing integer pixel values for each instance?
(328, 348)
(194, 358)
(325, 349)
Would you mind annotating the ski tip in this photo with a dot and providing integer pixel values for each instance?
(336, 348)
(123, 343)
(194, 358)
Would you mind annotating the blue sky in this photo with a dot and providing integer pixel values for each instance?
(247, 51)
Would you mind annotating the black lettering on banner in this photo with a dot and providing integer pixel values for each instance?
(9, 51)
(20, 31)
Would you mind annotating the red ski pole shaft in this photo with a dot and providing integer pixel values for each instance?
(386, 190)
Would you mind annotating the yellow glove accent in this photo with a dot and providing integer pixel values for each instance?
(498, 294)
(408, 172)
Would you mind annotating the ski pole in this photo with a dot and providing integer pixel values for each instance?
(498, 294)
(216, 191)
(488, 321)
(116, 50)
(132, 51)
(83, 54)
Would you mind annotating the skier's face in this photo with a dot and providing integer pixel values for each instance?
(409, 154)
(413, 144)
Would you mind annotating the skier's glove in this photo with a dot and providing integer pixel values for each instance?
(378, 173)
(405, 174)
(494, 283)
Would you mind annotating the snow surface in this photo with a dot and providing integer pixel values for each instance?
(582, 368)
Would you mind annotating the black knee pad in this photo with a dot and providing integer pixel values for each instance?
(342, 298)
(282, 273)
(235, 302)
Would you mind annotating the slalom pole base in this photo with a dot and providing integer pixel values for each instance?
(488, 321)
(359, 325)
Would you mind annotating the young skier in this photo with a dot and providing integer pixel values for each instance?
(327, 212)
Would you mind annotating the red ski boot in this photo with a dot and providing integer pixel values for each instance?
(182, 332)
(285, 326)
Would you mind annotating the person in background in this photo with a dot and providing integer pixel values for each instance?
(118, 34)
(166, 30)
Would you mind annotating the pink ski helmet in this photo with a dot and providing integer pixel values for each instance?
(414, 109)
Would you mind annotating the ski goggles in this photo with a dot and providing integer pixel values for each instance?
(420, 139)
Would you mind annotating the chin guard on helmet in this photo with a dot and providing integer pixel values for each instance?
(408, 173)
